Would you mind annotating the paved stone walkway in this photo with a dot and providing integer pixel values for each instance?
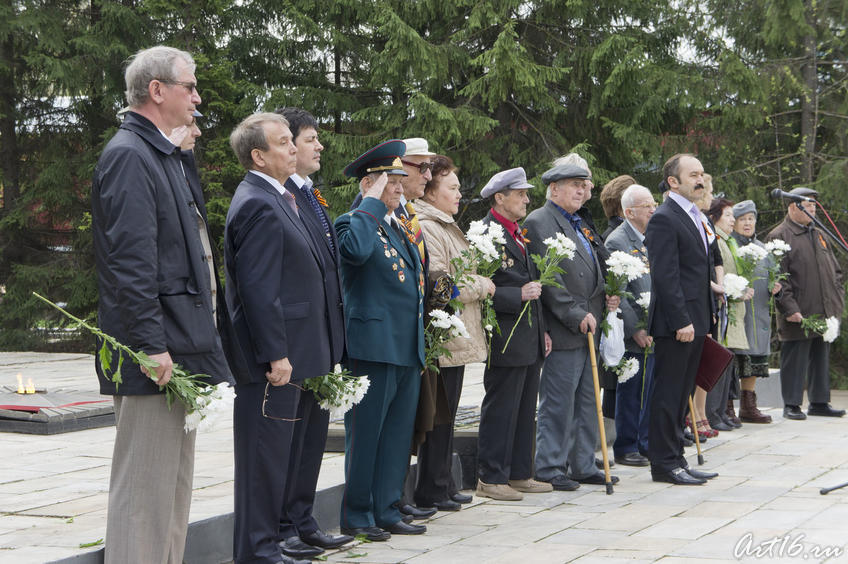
(53, 492)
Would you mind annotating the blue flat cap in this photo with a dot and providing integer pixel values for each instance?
(563, 171)
(512, 179)
(385, 157)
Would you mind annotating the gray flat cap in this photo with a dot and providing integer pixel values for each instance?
(512, 179)
(803, 191)
(563, 171)
(746, 206)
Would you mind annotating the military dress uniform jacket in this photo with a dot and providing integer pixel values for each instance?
(814, 284)
(383, 282)
(527, 345)
(582, 289)
(152, 275)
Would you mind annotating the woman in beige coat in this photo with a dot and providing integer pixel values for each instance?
(445, 241)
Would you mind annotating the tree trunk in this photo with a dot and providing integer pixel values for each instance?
(809, 101)
(9, 161)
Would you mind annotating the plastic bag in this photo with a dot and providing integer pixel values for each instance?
(612, 342)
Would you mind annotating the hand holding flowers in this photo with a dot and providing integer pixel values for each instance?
(338, 390)
(558, 248)
(827, 328)
(441, 328)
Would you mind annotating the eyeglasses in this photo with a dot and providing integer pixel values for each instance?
(422, 167)
(190, 86)
(652, 205)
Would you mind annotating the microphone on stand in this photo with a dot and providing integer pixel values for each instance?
(778, 194)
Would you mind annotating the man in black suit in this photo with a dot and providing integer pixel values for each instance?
(511, 379)
(680, 315)
(299, 531)
(280, 310)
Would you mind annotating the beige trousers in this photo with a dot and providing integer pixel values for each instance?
(150, 485)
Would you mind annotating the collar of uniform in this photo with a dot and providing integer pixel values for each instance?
(271, 180)
(145, 128)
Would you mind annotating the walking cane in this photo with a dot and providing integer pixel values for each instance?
(607, 478)
(825, 491)
(695, 431)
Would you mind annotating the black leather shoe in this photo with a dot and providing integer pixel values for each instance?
(632, 459)
(678, 476)
(401, 528)
(687, 442)
(562, 484)
(824, 410)
(599, 463)
(417, 512)
(373, 534)
(406, 518)
(597, 479)
(701, 475)
(793, 412)
(296, 548)
(728, 421)
(688, 436)
(447, 505)
(720, 425)
(289, 560)
(323, 540)
(461, 497)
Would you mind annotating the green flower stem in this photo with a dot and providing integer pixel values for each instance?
(184, 387)
(523, 311)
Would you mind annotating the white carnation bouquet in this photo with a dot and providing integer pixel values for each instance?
(622, 268)
(777, 248)
(558, 248)
(827, 328)
(626, 369)
(338, 390)
(441, 328)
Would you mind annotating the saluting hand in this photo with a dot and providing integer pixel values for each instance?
(376, 189)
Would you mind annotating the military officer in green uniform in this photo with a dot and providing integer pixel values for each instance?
(383, 286)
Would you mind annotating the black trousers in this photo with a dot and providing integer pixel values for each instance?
(805, 361)
(307, 452)
(263, 423)
(435, 482)
(674, 380)
(507, 431)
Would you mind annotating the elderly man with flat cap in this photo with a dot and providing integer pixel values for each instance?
(383, 287)
(567, 430)
(813, 287)
(511, 379)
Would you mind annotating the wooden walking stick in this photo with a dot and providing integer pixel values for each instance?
(607, 478)
(695, 431)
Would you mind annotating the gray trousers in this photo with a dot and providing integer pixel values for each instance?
(567, 427)
(807, 360)
(150, 486)
(717, 397)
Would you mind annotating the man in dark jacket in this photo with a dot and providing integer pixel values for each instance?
(813, 287)
(511, 379)
(300, 532)
(156, 296)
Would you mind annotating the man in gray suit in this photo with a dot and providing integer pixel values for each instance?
(631, 397)
(567, 430)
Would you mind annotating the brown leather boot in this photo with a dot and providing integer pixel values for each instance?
(731, 415)
(748, 411)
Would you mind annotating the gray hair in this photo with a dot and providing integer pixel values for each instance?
(628, 197)
(570, 158)
(155, 63)
(250, 135)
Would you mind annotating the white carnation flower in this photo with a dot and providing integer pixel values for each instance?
(644, 300)
(734, 286)
(192, 420)
(832, 330)
(476, 229)
(627, 369)
(753, 252)
(440, 319)
(626, 265)
(458, 327)
(778, 247)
